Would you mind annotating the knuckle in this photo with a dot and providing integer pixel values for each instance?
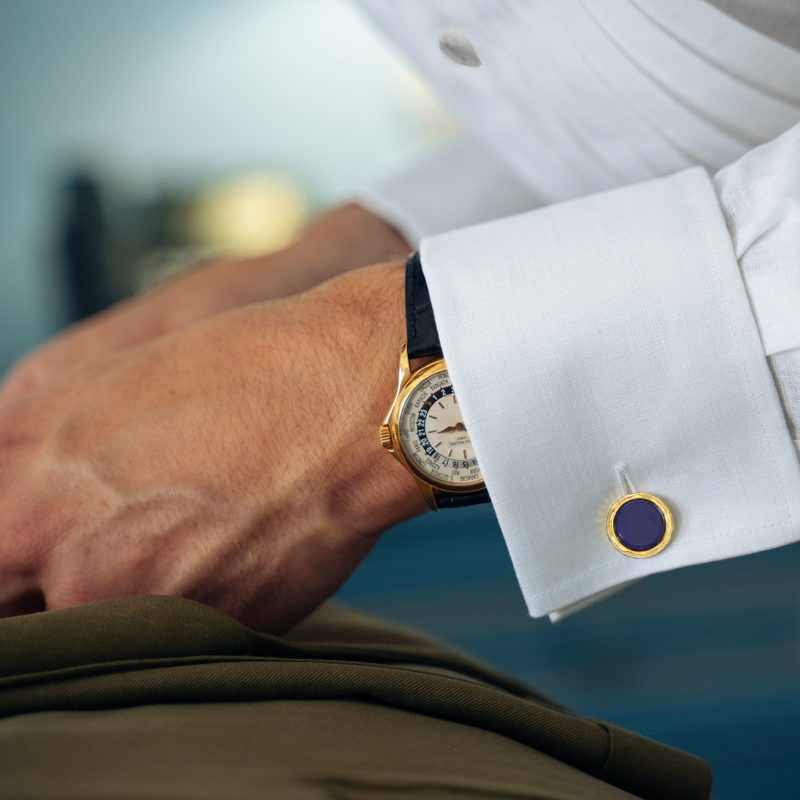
(18, 550)
(64, 595)
(24, 376)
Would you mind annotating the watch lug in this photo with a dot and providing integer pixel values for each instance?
(405, 375)
(405, 368)
(427, 493)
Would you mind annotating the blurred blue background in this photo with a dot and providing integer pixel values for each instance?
(159, 102)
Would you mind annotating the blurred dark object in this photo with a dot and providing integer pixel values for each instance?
(84, 247)
(114, 244)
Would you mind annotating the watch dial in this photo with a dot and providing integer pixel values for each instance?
(433, 435)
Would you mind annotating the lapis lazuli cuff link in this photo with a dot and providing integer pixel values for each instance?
(639, 525)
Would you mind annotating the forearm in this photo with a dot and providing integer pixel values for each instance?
(345, 238)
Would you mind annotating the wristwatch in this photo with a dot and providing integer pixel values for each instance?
(424, 429)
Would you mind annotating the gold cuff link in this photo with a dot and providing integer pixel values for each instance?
(639, 525)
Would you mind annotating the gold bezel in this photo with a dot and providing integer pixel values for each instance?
(665, 513)
(408, 382)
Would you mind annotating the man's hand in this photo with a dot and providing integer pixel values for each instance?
(236, 461)
(342, 239)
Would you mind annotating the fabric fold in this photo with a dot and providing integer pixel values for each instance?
(154, 650)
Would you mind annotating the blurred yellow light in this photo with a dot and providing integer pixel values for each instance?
(420, 98)
(258, 213)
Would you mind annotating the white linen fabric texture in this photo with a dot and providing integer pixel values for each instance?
(615, 331)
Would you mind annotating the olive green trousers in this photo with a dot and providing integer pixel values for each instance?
(156, 698)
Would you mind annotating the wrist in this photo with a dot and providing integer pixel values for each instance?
(373, 331)
(320, 369)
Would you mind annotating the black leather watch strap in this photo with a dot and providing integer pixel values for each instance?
(423, 338)
(453, 500)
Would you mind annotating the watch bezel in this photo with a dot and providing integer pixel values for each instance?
(406, 389)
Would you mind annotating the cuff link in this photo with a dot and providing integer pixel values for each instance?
(639, 525)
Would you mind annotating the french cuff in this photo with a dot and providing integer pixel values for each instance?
(605, 346)
(459, 185)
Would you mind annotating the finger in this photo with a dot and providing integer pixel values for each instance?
(27, 603)
(20, 596)
(36, 369)
(16, 384)
(45, 365)
(55, 357)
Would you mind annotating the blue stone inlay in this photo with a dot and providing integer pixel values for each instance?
(639, 524)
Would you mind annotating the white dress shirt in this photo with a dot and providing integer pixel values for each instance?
(640, 332)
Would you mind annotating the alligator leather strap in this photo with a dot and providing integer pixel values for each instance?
(422, 336)
(453, 500)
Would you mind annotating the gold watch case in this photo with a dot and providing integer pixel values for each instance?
(391, 439)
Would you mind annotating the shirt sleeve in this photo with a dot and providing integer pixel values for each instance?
(760, 198)
(619, 343)
(459, 185)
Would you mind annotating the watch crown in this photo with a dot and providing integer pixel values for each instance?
(386, 437)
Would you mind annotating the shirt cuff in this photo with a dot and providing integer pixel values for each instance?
(457, 186)
(606, 345)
